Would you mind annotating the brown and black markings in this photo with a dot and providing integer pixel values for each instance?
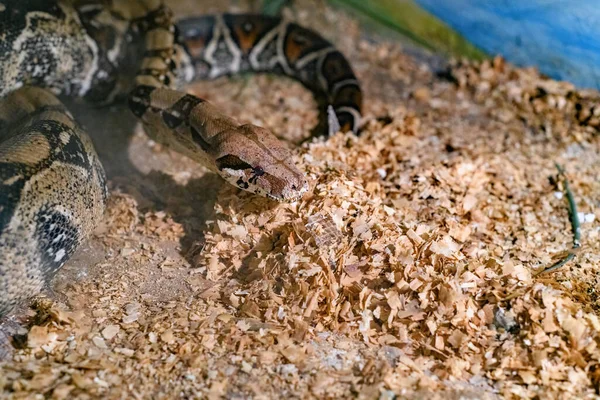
(52, 185)
(229, 44)
(52, 190)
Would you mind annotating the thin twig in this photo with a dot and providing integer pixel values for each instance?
(573, 216)
(558, 264)
(575, 225)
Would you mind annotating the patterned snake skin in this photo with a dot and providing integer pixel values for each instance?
(52, 184)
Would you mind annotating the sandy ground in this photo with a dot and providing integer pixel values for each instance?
(409, 269)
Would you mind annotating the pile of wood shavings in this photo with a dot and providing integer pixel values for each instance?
(411, 256)
(409, 267)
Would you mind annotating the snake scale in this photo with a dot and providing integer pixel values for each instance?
(52, 184)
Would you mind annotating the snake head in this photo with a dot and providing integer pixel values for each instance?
(253, 159)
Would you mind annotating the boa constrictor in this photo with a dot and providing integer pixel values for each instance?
(52, 184)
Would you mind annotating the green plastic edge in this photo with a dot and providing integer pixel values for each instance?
(413, 22)
(273, 7)
(406, 18)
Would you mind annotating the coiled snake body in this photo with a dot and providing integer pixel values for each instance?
(52, 184)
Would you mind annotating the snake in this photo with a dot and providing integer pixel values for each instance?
(53, 188)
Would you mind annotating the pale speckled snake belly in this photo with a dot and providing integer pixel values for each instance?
(52, 185)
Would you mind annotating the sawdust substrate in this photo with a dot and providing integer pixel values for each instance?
(409, 268)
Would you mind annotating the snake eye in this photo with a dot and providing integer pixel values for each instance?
(232, 162)
(258, 171)
(300, 40)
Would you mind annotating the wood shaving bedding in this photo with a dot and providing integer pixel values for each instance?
(407, 270)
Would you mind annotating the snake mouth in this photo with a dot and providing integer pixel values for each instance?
(284, 200)
(289, 196)
(295, 195)
(279, 199)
